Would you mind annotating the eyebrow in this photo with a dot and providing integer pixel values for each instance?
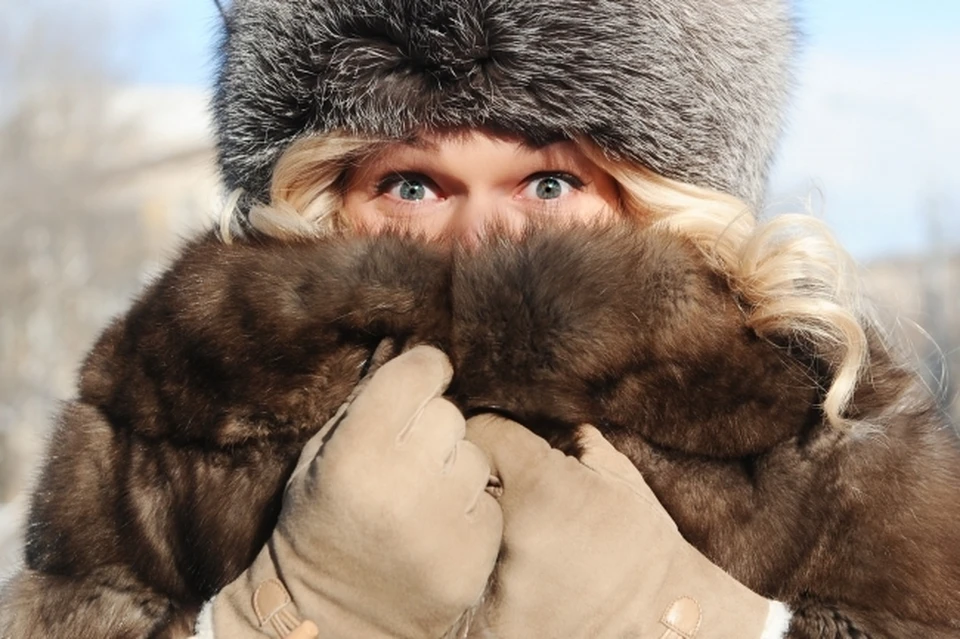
(417, 141)
(387, 158)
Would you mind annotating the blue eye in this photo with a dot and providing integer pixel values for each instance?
(409, 188)
(412, 190)
(550, 186)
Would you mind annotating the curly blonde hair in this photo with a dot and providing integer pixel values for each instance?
(792, 278)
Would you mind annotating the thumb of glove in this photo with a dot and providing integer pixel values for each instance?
(600, 456)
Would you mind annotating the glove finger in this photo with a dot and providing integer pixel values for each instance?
(469, 472)
(434, 432)
(465, 555)
(516, 454)
(383, 353)
(600, 456)
(395, 395)
(479, 518)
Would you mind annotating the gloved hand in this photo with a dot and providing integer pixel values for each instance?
(386, 529)
(589, 552)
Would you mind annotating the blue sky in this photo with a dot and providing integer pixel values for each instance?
(166, 41)
(877, 26)
(871, 133)
(171, 40)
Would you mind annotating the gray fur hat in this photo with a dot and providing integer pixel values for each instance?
(693, 89)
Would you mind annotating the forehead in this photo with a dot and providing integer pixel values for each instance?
(466, 147)
(432, 139)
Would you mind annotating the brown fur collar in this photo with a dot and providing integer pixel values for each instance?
(164, 476)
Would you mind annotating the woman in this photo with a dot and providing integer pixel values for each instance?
(455, 186)
(446, 118)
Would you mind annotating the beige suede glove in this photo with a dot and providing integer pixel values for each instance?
(589, 552)
(386, 529)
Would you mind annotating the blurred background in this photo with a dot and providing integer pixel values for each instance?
(107, 162)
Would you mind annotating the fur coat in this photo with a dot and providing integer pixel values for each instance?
(164, 476)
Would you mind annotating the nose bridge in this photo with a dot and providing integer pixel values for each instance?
(484, 209)
(475, 210)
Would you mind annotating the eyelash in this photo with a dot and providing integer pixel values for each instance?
(569, 178)
(391, 180)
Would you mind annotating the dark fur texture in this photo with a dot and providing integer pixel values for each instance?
(165, 476)
(693, 89)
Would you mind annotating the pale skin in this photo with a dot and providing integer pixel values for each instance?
(456, 186)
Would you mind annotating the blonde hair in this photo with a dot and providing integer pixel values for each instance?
(305, 190)
(792, 278)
